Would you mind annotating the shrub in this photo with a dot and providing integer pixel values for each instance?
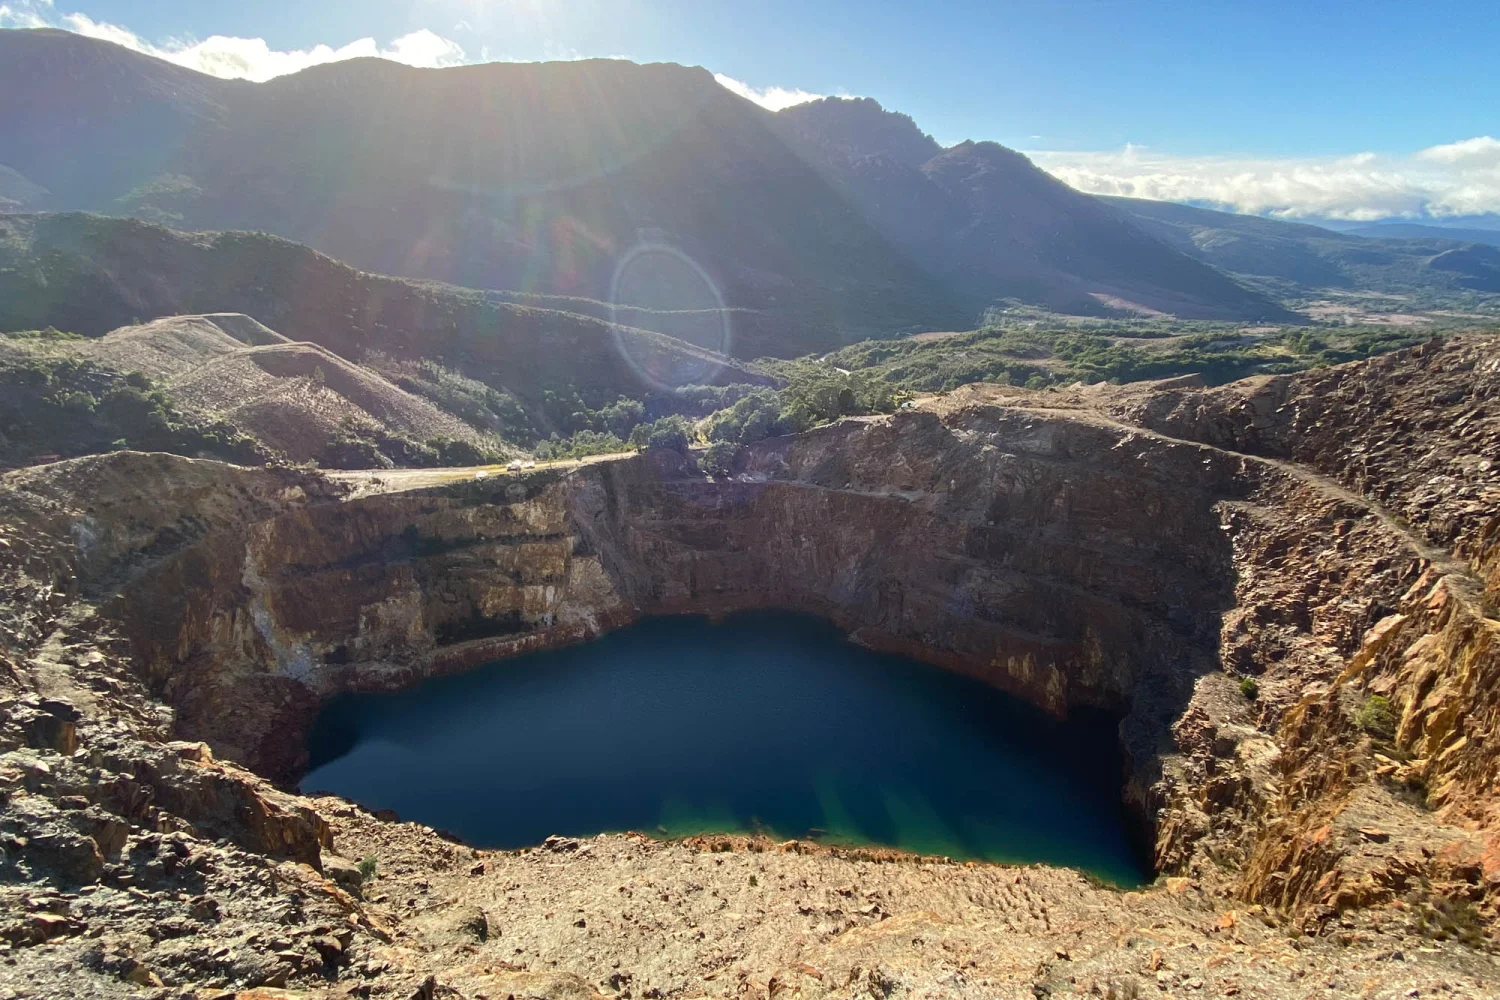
(620, 417)
(756, 416)
(79, 402)
(1377, 716)
(452, 451)
(671, 433)
(133, 410)
(719, 459)
(580, 445)
(1249, 688)
(367, 869)
(351, 452)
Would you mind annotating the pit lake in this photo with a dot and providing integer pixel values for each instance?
(766, 722)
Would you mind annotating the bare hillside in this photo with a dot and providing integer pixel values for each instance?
(166, 348)
(295, 398)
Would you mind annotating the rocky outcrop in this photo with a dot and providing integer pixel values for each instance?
(1418, 433)
(1293, 621)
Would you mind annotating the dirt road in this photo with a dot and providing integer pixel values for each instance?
(371, 481)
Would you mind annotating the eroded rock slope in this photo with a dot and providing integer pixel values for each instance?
(1330, 537)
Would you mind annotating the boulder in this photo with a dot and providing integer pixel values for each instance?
(344, 873)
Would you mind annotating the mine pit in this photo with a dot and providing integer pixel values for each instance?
(1254, 623)
(767, 723)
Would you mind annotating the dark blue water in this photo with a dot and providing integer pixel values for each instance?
(766, 722)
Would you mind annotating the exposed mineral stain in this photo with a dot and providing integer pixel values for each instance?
(1244, 573)
(767, 723)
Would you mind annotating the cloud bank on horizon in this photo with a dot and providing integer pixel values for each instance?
(238, 58)
(1455, 179)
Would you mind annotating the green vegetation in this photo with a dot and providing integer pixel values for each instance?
(72, 406)
(367, 869)
(1029, 351)
(813, 393)
(47, 335)
(672, 433)
(719, 458)
(481, 406)
(1019, 347)
(1249, 688)
(579, 445)
(878, 376)
(91, 274)
(547, 380)
(1378, 717)
(377, 448)
(557, 422)
(755, 416)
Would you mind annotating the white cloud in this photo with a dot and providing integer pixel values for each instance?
(1460, 178)
(770, 98)
(24, 14)
(238, 58)
(1481, 151)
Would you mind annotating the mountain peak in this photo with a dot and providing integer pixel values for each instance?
(859, 126)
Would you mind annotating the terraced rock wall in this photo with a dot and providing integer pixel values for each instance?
(1284, 586)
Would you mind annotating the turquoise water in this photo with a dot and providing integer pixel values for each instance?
(768, 722)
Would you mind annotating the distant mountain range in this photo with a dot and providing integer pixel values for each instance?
(1487, 222)
(830, 222)
(1413, 230)
(1287, 259)
(986, 220)
(651, 197)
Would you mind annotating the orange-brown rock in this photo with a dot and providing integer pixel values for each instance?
(1332, 536)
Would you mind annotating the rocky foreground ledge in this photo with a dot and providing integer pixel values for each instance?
(168, 628)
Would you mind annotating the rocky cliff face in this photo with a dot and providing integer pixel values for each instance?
(1043, 555)
(1419, 434)
(1332, 537)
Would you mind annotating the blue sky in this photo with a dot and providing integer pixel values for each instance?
(1151, 97)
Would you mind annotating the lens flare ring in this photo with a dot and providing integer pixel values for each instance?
(667, 377)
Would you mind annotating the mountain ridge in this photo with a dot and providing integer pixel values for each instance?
(986, 219)
(89, 275)
(543, 178)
